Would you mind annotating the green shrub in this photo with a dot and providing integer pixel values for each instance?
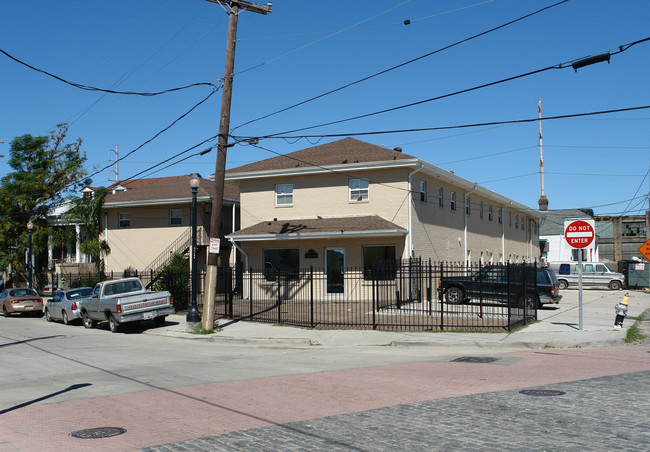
(175, 278)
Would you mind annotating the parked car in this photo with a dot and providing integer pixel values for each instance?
(65, 305)
(593, 274)
(21, 300)
(124, 300)
(503, 284)
(48, 290)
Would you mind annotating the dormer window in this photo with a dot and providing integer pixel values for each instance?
(118, 188)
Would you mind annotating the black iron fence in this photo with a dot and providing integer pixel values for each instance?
(395, 295)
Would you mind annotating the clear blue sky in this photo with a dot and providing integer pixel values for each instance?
(305, 48)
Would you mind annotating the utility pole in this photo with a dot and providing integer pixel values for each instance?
(117, 163)
(234, 7)
(543, 202)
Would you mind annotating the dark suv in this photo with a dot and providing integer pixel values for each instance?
(504, 284)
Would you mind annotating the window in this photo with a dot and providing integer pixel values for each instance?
(175, 217)
(358, 189)
(441, 199)
(480, 210)
(423, 191)
(517, 221)
(284, 195)
(490, 212)
(124, 220)
(283, 262)
(467, 205)
(523, 223)
(379, 263)
(500, 213)
(452, 200)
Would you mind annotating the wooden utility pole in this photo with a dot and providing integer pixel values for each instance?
(234, 7)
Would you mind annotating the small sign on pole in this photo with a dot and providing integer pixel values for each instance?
(580, 234)
(214, 245)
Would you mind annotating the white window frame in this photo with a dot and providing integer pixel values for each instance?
(441, 197)
(452, 200)
(178, 216)
(359, 193)
(467, 205)
(283, 196)
(490, 212)
(123, 220)
(423, 191)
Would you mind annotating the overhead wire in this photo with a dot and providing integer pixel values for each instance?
(319, 40)
(413, 60)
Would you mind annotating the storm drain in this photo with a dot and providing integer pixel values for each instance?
(541, 392)
(98, 432)
(475, 359)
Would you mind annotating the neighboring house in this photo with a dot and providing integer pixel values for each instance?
(619, 238)
(551, 236)
(349, 203)
(148, 220)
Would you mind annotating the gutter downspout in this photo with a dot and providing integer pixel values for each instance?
(243, 253)
(234, 254)
(410, 219)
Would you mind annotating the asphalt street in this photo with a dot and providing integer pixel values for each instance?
(257, 387)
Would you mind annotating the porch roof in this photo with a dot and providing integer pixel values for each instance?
(319, 228)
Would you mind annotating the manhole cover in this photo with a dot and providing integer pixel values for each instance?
(541, 392)
(99, 432)
(475, 359)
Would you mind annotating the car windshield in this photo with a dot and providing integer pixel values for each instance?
(79, 293)
(22, 293)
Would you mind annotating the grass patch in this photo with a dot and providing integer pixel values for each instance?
(633, 335)
(202, 331)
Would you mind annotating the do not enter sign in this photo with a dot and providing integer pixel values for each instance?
(580, 233)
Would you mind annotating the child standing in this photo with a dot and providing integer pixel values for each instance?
(621, 311)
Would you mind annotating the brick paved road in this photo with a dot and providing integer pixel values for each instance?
(607, 413)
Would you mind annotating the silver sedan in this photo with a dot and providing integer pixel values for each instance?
(64, 305)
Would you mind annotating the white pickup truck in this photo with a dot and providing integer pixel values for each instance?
(124, 300)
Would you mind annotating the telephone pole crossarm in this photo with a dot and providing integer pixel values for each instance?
(245, 6)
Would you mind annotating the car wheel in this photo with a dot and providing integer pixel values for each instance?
(530, 302)
(87, 321)
(159, 321)
(47, 315)
(615, 285)
(113, 324)
(454, 295)
(4, 311)
(65, 318)
(562, 285)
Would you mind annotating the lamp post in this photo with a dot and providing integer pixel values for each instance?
(30, 226)
(193, 315)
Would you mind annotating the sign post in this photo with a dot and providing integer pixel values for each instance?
(580, 234)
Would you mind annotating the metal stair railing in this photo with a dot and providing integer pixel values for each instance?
(183, 242)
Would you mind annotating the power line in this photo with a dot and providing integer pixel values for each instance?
(399, 65)
(575, 64)
(110, 91)
(460, 126)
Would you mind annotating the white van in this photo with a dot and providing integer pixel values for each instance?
(593, 274)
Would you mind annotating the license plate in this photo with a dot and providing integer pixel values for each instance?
(148, 315)
(29, 308)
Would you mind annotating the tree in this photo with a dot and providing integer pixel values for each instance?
(88, 210)
(45, 170)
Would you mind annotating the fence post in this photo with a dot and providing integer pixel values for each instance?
(509, 299)
(440, 297)
(480, 290)
(250, 291)
(277, 274)
(311, 295)
(374, 300)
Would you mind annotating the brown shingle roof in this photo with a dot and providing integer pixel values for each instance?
(319, 225)
(347, 150)
(161, 188)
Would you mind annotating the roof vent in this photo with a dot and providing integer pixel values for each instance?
(345, 161)
(397, 149)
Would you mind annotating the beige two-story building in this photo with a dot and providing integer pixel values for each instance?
(348, 203)
(148, 220)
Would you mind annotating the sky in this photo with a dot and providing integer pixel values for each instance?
(304, 49)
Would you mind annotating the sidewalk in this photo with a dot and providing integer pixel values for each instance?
(557, 327)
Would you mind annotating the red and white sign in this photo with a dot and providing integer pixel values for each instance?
(579, 233)
(214, 246)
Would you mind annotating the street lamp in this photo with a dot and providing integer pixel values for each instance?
(30, 226)
(193, 315)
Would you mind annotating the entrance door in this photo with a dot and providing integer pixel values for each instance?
(335, 268)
